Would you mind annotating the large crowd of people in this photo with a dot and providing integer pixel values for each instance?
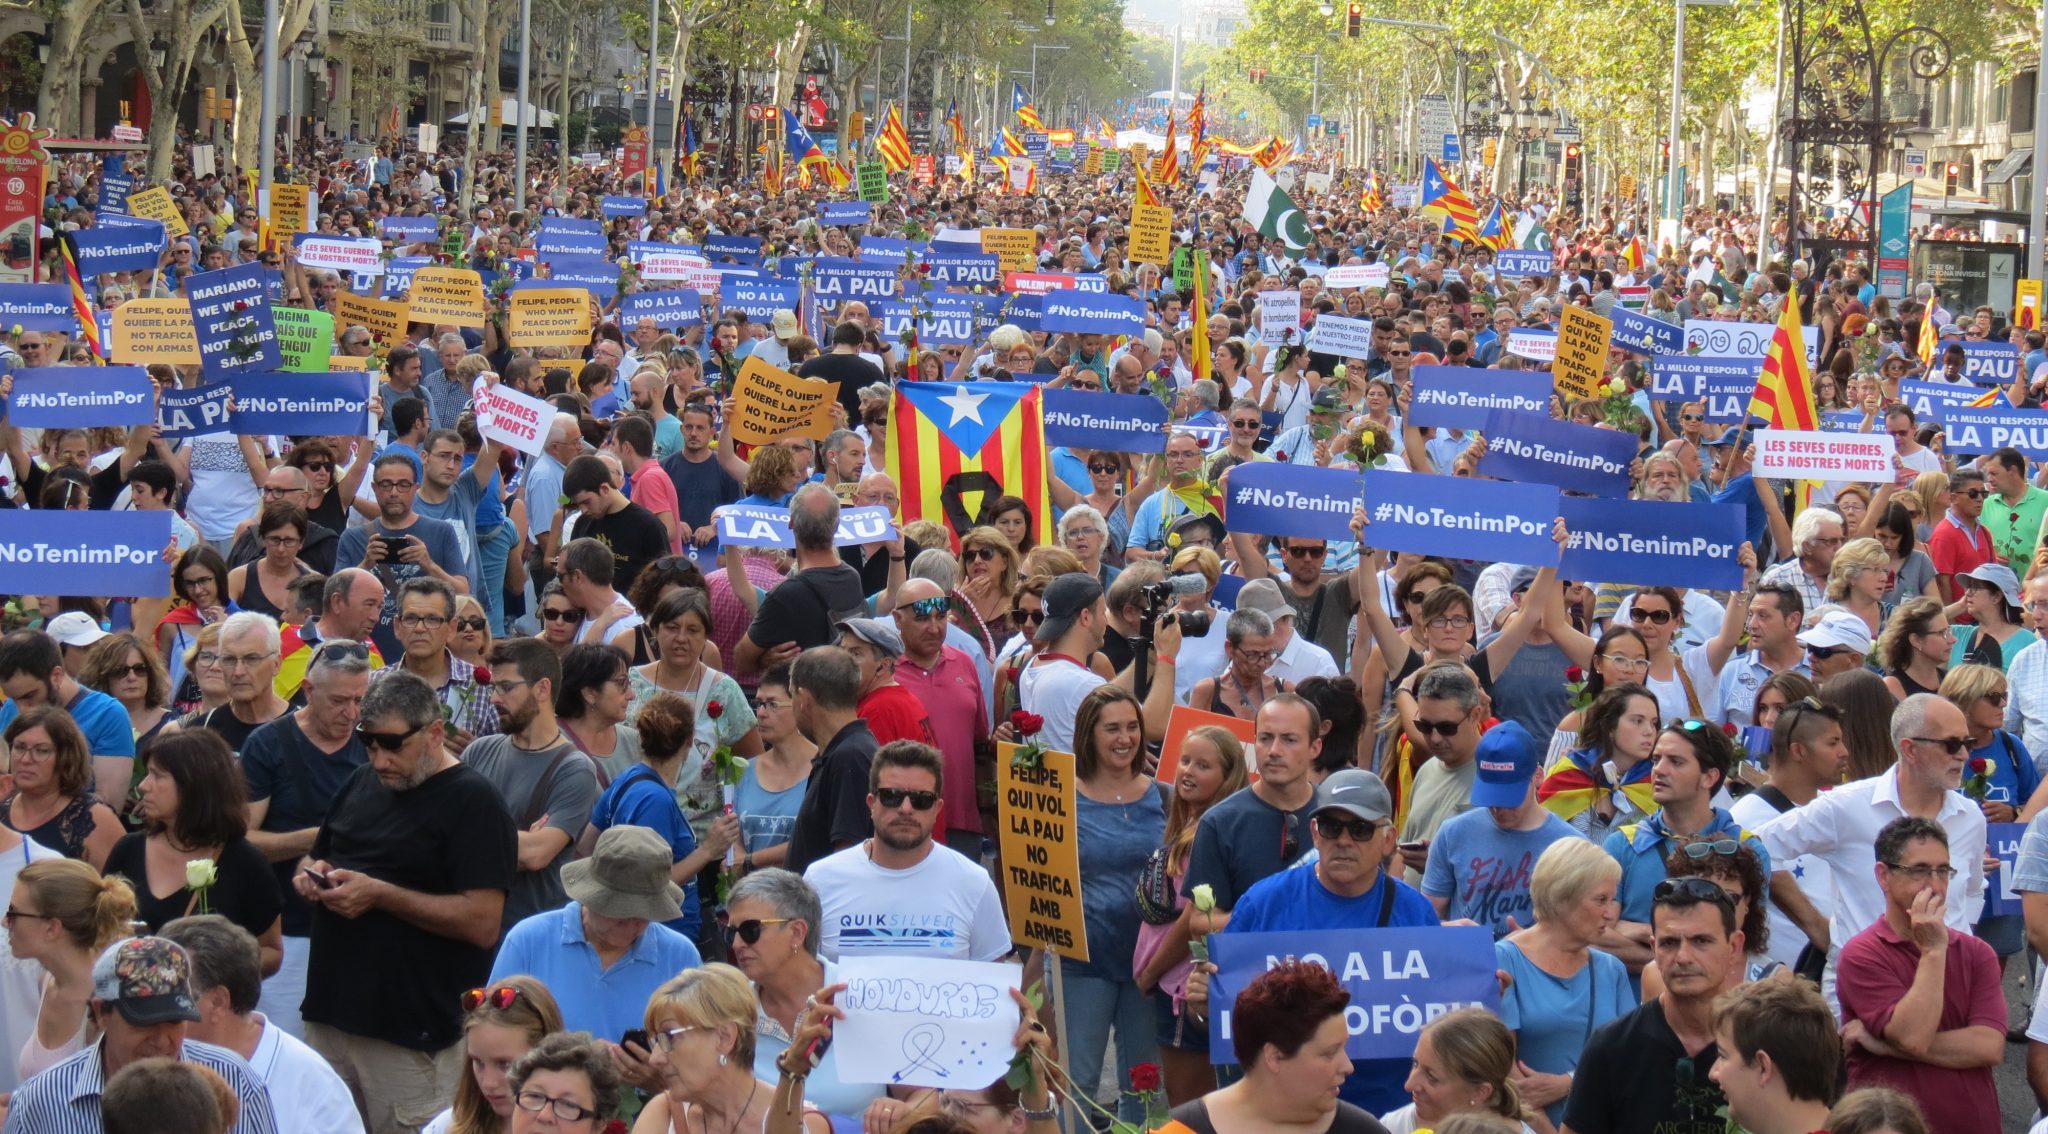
(464, 790)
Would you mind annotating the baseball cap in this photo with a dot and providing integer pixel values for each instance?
(1731, 437)
(74, 628)
(1065, 598)
(784, 324)
(1508, 760)
(877, 632)
(1263, 595)
(1839, 629)
(1521, 579)
(148, 978)
(1357, 792)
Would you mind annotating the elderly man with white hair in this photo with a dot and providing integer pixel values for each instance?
(1816, 535)
(447, 395)
(543, 488)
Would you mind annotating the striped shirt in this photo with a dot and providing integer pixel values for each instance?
(66, 1098)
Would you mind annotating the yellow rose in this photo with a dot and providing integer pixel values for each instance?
(200, 873)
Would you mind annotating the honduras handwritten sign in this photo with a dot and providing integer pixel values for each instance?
(755, 525)
(70, 397)
(1119, 423)
(1458, 517)
(1536, 448)
(920, 1021)
(1399, 979)
(1799, 455)
(1041, 857)
(1092, 313)
(1652, 542)
(284, 402)
(1990, 364)
(1459, 397)
(84, 553)
(1271, 498)
(1968, 430)
(1644, 335)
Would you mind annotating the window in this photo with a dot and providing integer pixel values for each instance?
(2021, 120)
(2001, 103)
(1966, 97)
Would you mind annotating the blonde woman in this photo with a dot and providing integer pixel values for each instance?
(1464, 1063)
(1858, 581)
(1932, 490)
(988, 573)
(500, 1024)
(701, 1025)
(60, 916)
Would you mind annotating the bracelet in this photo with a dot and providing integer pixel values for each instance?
(1049, 1114)
(897, 558)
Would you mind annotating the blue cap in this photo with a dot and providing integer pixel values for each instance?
(1508, 760)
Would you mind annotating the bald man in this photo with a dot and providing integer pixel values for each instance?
(943, 678)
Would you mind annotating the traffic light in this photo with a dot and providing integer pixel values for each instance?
(1354, 17)
(1664, 156)
(1256, 74)
(1949, 180)
(1571, 153)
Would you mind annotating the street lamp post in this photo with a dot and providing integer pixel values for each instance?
(1035, 49)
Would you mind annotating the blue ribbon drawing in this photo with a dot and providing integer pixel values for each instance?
(920, 1045)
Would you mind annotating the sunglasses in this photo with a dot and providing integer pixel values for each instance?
(1973, 493)
(749, 931)
(983, 553)
(1333, 826)
(892, 798)
(1654, 617)
(1949, 744)
(1823, 653)
(1711, 847)
(140, 670)
(471, 623)
(1104, 469)
(388, 741)
(1244, 425)
(1685, 891)
(1308, 552)
(1019, 617)
(343, 648)
(552, 615)
(1440, 728)
(502, 997)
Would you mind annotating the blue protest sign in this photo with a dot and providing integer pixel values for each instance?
(2002, 841)
(844, 212)
(59, 552)
(1929, 399)
(1645, 335)
(594, 274)
(194, 413)
(115, 186)
(1979, 430)
(947, 326)
(1459, 397)
(948, 268)
(753, 525)
(1089, 281)
(1535, 448)
(638, 250)
(837, 280)
(410, 230)
(1037, 144)
(1726, 397)
(1522, 262)
(1092, 313)
(1119, 423)
(670, 310)
(118, 248)
(1842, 421)
(760, 299)
(73, 397)
(1271, 498)
(1399, 979)
(876, 249)
(517, 270)
(123, 220)
(738, 249)
(622, 206)
(231, 317)
(336, 403)
(1989, 364)
(37, 307)
(1683, 378)
(1652, 542)
(1021, 311)
(1459, 517)
(567, 236)
(398, 273)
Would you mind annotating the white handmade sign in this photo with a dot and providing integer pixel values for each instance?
(922, 1022)
(1799, 455)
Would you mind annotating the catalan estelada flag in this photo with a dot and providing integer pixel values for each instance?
(81, 307)
(955, 447)
(953, 122)
(1020, 104)
(1494, 233)
(1571, 785)
(1784, 389)
(799, 143)
(893, 142)
(1009, 144)
(1929, 338)
(1989, 398)
(1440, 194)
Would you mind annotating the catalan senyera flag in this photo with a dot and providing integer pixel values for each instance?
(967, 165)
(1203, 363)
(1275, 153)
(1166, 168)
(81, 307)
(1444, 196)
(1570, 785)
(1784, 390)
(893, 141)
(838, 176)
(1147, 194)
(1929, 339)
(1632, 253)
(1020, 105)
(1103, 132)
(771, 176)
(954, 123)
(954, 448)
(1373, 197)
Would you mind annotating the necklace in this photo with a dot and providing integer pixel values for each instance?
(737, 1118)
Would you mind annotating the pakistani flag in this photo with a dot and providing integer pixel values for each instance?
(1531, 235)
(1272, 211)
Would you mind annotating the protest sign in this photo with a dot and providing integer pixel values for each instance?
(757, 525)
(837, 280)
(615, 206)
(156, 204)
(1280, 316)
(1399, 979)
(37, 307)
(1644, 335)
(670, 310)
(1357, 275)
(116, 186)
(1035, 811)
(1512, 262)
(1276, 499)
(921, 1021)
(290, 209)
(1038, 283)
(231, 317)
(72, 397)
(1118, 423)
(447, 295)
(1532, 343)
(1535, 448)
(874, 249)
(872, 181)
(665, 264)
(1652, 542)
(1460, 518)
(118, 248)
(2002, 841)
(284, 402)
(1097, 313)
(350, 362)
(194, 412)
(305, 338)
(410, 230)
(593, 274)
(59, 552)
(1579, 364)
(738, 249)
(1930, 399)
(154, 330)
(1184, 719)
(844, 212)
(569, 236)
(399, 270)
(760, 299)
(1794, 454)
(1459, 397)
(385, 319)
(1151, 233)
(1343, 337)
(341, 254)
(549, 316)
(1742, 340)
(1683, 378)
(511, 418)
(771, 403)
(1980, 430)
(1990, 364)
(962, 268)
(1726, 398)
(1017, 247)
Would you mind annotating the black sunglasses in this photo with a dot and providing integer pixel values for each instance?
(1948, 744)
(1441, 728)
(1686, 891)
(892, 798)
(388, 741)
(749, 931)
(1655, 617)
(1332, 826)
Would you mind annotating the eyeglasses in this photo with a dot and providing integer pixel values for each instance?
(501, 997)
(388, 741)
(666, 1040)
(430, 621)
(505, 688)
(1077, 532)
(1923, 873)
(1654, 617)
(245, 661)
(1629, 664)
(14, 915)
(1949, 744)
(1711, 847)
(749, 931)
(1256, 657)
(270, 493)
(200, 581)
(470, 623)
(1686, 891)
(926, 609)
(282, 541)
(1441, 728)
(982, 553)
(1972, 493)
(1333, 826)
(1458, 623)
(34, 752)
(550, 614)
(395, 486)
(893, 798)
(203, 659)
(1244, 425)
(565, 1110)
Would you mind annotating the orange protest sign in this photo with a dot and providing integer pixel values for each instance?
(1036, 805)
(1184, 720)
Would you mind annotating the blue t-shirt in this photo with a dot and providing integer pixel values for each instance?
(1741, 491)
(1115, 839)
(1641, 847)
(2013, 775)
(766, 817)
(1552, 1019)
(607, 1002)
(1485, 871)
(104, 722)
(638, 798)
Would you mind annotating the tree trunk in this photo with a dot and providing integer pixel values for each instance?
(848, 90)
(182, 27)
(57, 103)
(1767, 185)
(562, 102)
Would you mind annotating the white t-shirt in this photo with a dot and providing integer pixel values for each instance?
(945, 907)
(1054, 690)
(306, 1093)
(21, 980)
(1402, 1121)
(223, 493)
(1811, 871)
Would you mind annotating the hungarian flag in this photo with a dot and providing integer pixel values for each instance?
(1269, 209)
(1784, 389)
(894, 141)
(955, 448)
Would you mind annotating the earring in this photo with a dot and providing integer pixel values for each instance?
(721, 1059)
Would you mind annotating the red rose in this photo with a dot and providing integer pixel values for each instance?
(241, 305)
(1731, 730)
(1980, 766)
(1145, 1077)
(1202, 441)
(1574, 673)
(714, 709)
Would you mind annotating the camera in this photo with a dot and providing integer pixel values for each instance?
(1157, 599)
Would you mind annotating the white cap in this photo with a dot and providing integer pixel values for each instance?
(1839, 629)
(74, 628)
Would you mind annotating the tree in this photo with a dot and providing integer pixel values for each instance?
(179, 24)
(293, 16)
(70, 23)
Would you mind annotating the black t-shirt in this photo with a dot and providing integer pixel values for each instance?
(244, 889)
(300, 782)
(803, 607)
(1633, 1076)
(835, 806)
(1194, 1114)
(1324, 615)
(634, 534)
(229, 727)
(378, 975)
(851, 371)
(874, 571)
(700, 487)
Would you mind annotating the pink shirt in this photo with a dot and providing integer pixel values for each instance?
(654, 491)
(1872, 976)
(951, 695)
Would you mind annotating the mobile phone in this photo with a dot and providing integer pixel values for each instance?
(1411, 846)
(319, 879)
(638, 1037)
(393, 544)
(816, 1054)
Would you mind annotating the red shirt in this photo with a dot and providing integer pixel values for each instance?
(895, 713)
(1872, 976)
(654, 491)
(1955, 552)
